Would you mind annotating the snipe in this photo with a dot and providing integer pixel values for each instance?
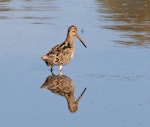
(62, 54)
(64, 86)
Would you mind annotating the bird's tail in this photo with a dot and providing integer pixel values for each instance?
(44, 57)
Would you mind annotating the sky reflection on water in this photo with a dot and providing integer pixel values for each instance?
(36, 12)
(116, 75)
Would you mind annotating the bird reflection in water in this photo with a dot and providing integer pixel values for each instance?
(64, 86)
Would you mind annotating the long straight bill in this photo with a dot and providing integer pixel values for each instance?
(80, 40)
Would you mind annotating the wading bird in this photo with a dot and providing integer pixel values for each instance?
(63, 53)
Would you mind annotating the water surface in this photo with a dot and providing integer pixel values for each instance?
(114, 67)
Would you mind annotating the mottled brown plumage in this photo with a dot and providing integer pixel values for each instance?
(63, 85)
(62, 54)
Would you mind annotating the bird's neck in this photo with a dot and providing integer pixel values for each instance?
(70, 40)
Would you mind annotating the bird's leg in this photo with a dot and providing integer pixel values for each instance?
(51, 69)
(60, 68)
(60, 73)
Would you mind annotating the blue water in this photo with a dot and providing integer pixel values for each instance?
(116, 75)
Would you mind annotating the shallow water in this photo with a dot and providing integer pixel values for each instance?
(115, 66)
